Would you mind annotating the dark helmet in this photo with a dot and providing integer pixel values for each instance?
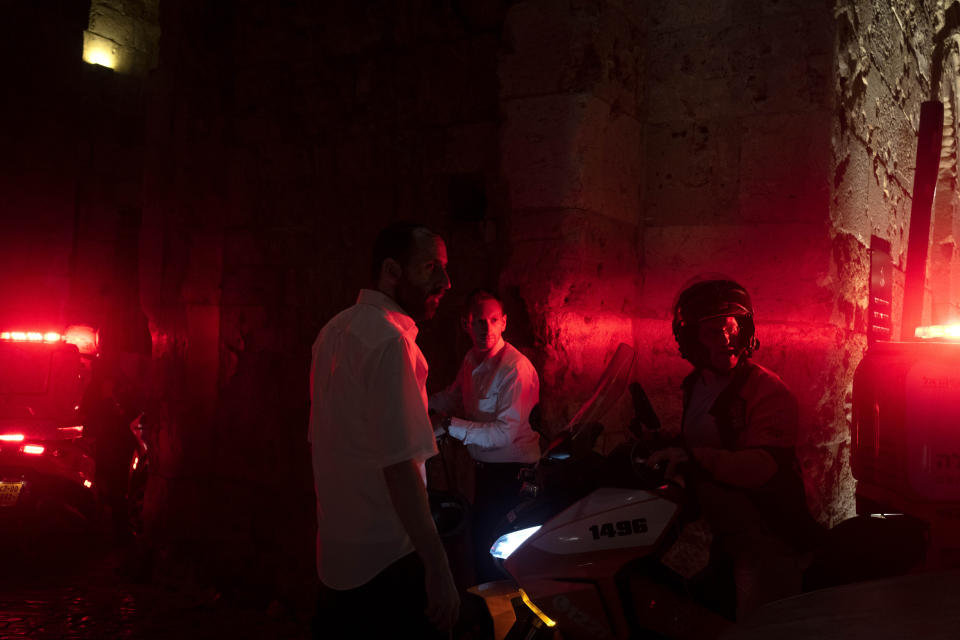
(712, 298)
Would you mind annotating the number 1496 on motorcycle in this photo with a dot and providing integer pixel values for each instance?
(621, 528)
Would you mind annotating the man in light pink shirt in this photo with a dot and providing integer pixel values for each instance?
(488, 409)
(378, 552)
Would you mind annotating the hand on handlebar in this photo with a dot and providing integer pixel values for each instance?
(439, 422)
(668, 461)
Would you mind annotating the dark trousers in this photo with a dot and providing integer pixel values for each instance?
(497, 492)
(390, 605)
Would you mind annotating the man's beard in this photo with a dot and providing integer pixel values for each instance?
(417, 303)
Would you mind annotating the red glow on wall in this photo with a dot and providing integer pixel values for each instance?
(590, 338)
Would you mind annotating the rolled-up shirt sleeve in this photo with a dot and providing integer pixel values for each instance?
(399, 416)
(517, 394)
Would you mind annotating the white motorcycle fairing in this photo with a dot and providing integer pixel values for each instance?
(607, 519)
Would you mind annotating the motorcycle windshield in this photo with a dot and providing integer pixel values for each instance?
(609, 388)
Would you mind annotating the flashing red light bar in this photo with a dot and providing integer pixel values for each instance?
(85, 338)
(30, 336)
(33, 449)
(11, 437)
(939, 331)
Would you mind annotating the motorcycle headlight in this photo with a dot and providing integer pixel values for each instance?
(508, 543)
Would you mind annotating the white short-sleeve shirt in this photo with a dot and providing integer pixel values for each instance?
(368, 411)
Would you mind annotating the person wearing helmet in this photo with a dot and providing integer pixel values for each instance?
(739, 429)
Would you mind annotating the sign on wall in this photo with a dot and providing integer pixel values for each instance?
(880, 309)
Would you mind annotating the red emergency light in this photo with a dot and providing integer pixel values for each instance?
(30, 336)
(939, 332)
(85, 338)
(11, 437)
(33, 449)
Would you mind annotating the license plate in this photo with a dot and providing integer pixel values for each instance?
(9, 492)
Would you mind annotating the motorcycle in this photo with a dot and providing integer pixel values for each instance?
(588, 551)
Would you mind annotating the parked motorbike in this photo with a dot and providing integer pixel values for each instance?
(587, 550)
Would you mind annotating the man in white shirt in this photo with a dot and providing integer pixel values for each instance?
(488, 409)
(378, 551)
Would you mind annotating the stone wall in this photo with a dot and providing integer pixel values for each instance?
(572, 91)
(737, 151)
(886, 65)
(586, 157)
(780, 137)
(123, 35)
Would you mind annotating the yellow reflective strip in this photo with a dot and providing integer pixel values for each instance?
(540, 614)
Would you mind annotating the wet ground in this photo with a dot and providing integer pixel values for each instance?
(79, 587)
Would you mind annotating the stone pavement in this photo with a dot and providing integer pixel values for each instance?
(66, 588)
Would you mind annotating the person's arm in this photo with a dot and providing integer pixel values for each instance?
(766, 444)
(516, 397)
(409, 499)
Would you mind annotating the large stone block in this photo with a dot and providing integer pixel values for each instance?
(748, 66)
(692, 171)
(670, 15)
(590, 47)
(783, 172)
(800, 83)
(571, 151)
(578, 275)
(783, 265)
(112, 24)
